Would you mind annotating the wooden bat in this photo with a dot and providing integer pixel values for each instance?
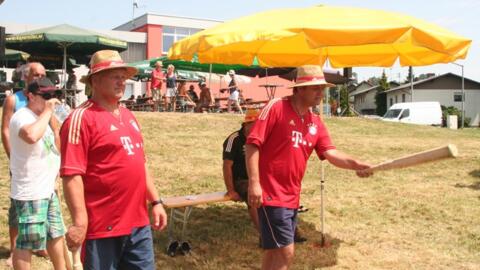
(76, 260)
(72, 259)
(448, 151)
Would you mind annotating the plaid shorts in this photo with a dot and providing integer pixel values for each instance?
(39, 221)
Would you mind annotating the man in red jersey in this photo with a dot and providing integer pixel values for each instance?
(105, 177)
(277, 150)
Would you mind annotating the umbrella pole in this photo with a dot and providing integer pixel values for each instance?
(411, 82)
(64, 66)
(210, 77)
(266, 76)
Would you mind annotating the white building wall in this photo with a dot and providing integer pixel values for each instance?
(445, 97)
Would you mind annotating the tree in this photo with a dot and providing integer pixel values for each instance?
(410, 75)
(344, 102)
(381, 96)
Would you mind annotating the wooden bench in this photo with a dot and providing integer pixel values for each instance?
(180, 209)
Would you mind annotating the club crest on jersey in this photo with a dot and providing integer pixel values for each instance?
(135, 126)
(312, 129)
(292, 123)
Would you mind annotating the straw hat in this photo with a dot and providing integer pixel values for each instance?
(310, 75)
(231, 72)
(106, 60)
(251, 115)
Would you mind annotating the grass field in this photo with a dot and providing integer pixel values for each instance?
(424, 217)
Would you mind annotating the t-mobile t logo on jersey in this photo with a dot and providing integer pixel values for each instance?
(297, 139)
(127, 145)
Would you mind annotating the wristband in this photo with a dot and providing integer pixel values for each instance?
(159, 201)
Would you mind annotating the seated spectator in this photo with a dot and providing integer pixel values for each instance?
(192, 94)
(184, 99)
(234, 168)
(206, 100)
(132, 97)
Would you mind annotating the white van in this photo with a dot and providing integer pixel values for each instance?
(421, 113)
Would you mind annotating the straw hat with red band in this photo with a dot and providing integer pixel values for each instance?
(107, 60)
(310, 75)
(251, 115)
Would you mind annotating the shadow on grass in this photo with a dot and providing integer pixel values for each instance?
(222, 237)
(4, 253)
(476, 185)
(475, 173)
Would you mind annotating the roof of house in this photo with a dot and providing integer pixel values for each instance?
(408, 85)
(361, 91)
(375, 87)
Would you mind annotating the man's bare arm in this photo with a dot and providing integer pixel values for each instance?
(8, 107)
(158, 212)
(74, 197)
(344, 161)
(228, 178)
(252, 156)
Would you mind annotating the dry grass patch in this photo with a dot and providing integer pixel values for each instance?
(426, 217)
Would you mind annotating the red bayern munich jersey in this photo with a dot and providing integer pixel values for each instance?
(108, 154)
(285, 143)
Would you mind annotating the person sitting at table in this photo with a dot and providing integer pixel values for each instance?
(171, 85)
(234, 93)
(206, 100)
(184, 100)
(192, 94)
(140, 100)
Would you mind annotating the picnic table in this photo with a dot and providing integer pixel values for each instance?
(180, 209)
(270, 88)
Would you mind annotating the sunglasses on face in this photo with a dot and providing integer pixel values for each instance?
(46, 96)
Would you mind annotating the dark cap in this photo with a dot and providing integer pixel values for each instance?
(43, 85)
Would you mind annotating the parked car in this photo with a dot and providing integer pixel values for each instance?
(421, 113)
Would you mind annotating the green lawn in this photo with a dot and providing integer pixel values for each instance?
(424, 217)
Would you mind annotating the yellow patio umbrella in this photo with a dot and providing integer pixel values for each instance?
(347, 37)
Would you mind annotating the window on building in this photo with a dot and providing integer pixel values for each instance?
(396, 99)
(403, 97)
(391, 101)
(172, 34)
(167, 42)
(457, 97)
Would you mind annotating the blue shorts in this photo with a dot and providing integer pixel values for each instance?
(277, 226)
(132, 252)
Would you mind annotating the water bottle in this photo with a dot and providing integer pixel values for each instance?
(61, 112)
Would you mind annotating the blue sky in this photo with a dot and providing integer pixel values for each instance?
(459, 16)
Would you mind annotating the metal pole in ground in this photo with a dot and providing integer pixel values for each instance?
(322, 208)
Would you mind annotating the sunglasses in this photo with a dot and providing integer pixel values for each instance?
(48, 95)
